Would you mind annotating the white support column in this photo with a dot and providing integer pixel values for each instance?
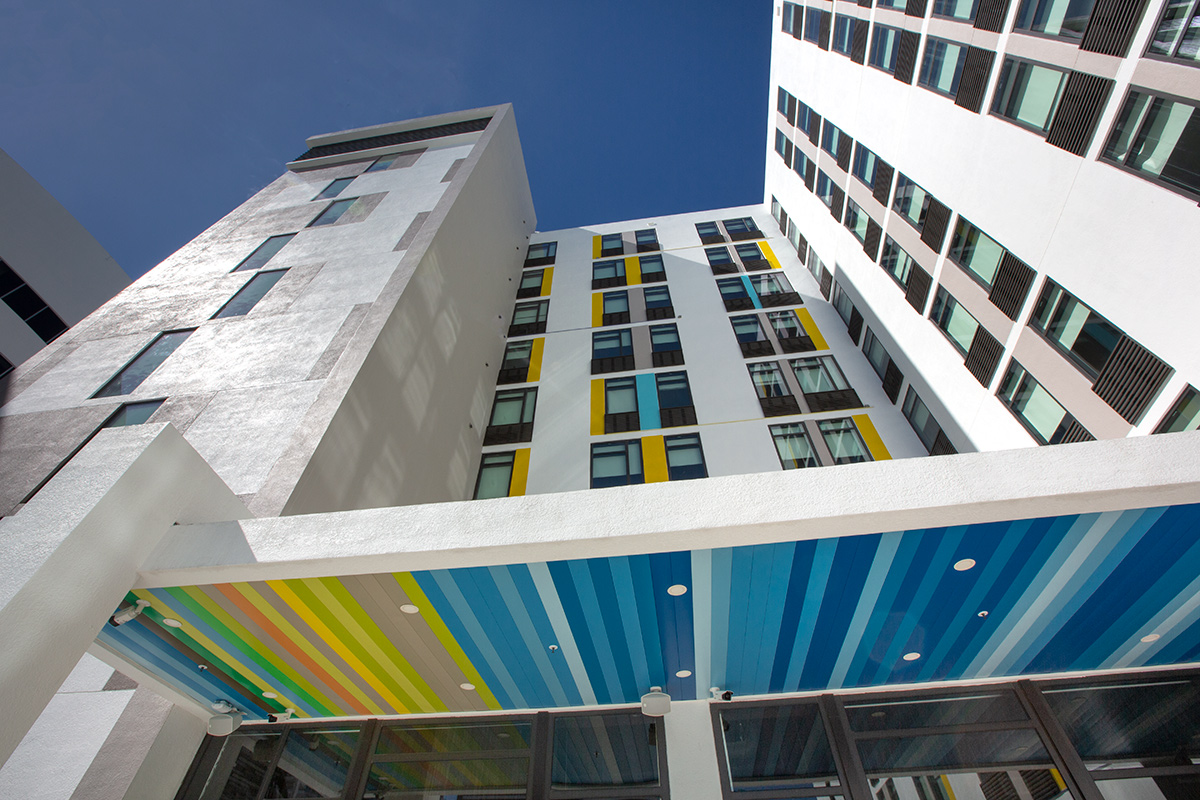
(691, 751)
(73, 552)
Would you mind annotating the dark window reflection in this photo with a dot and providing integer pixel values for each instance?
(605, 750)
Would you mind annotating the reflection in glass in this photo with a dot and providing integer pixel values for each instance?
(313, 764)
(453, 737)
(777, 747)
(604, 750)
(241, 767)
(388, 779)
(936, 712)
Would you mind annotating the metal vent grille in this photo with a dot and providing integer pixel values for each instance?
(826, 282)
(991, 14)
(854, 328)
(942, 446)
(906, 56)
(802, 247)
(779, 406)
(810, 175)
(983, 356)
(871, 239)
(845, 145)
(814, 128)
(937, 220)
(403, 137)
(977, 69)
(915, 8)
(823, 33)
(917, 291)
(882, 188)
(1011, 286)
(1131, 379)
(892, 380)
(839, 198)
(834, 400)
(1040, 782)
(1079, 112)
(1074, 432)
(1111, 26)
(998, 786)
(858, 42)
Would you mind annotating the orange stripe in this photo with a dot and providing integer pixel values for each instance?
(234, 596)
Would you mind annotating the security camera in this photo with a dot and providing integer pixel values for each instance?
(223, 724)
(717, 694)
(282, 716)
(127, 613)
(726, 696)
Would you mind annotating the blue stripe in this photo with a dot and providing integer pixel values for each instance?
(610, 612)
(823, 558)
(544, 630)
(793, 603)
(595, 627)
(851, 565)
(647, 397)
(772, 614)
(496, 624)
(722, 570)
(533, 651)
(626, 598)
(872, 643)
(564, 583)
(750, 291)
(639, 567)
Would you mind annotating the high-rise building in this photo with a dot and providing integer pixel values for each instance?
(443, 498)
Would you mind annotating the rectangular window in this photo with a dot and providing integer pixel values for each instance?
(1028, 93)
(611, 244)
(647, 240)
(1158, 138)
(800, 163)
(900, 4)
(334, 189)
(29, 306)
(541, 254)
(616, 303)
(512, 417)
(734, 293)
(865, 164)
(896, 261)
(1066, 19)
(781, 144)
(856, 220)
(1042, 415)
(831, 138)
(742, 228)
(825, 188)
(382, 163)
(709, 232)
(806, 119)
(767, 285)
(941, 66)
(956, 9)
(748, 329)
(719, 260)
(911, 201)
(608, 273)
(785, 324)
(673, 390)
(617, 464)
(495, 475)
(132, 414)
(611, 344)
(976, 252)
(531, 283)
(664, 339)
(812, 25)
(884, 47)
(843, 440)
(336, 210)
(529, 318)
(954, 320)
(793, 446)
(923, 423)
(843, 34)
(621, 405)
(791, 17)
(1178, 32)
(877, 355)
(1087, 338)
(768, 380)
(652, 269)
(685, 458)
(137, 370)
(249, 295)
(749, 252)
(514, 368)
(843, 304)
(656, 297)
(819, 374)
(1184, 415)
(264, 252)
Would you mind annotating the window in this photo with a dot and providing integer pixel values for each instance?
(925, 426)
(900, 4)
(1042, 415)
(611, 244)
(782, 143)
(975, 252)
(800, 164)
(719, 260)
(734, 294)
(742, 228)
(666, 350)
(673, 393)
(29, 306)
(495, 475)
(353, 209)
(529, 318)
(865, 165)
(812, 25)
(512, 417)
(514, 368)
(956, 9)
(1078, 331)
(771, 284)
(617, 464)
(709, 232)
(685, 458)
(856, 221)
(1028, 93)
(896, 262)
(132, 414)
(876, 354)
(334, 189)
(1184, 415)
(819, 374)
(612, 351)
(1159, 139)
(793, 446)
(248, 296)
(264, 252)
(647, 240)
(620, 405)
(615, 308)
(1063, 18)
(145, 363)
(531, 283)
(658, 302)
(791, 17)
(825, 189)
(751, 256)
(843, 34)
(652, 269)
(911, 201)
(541, 254)
(807, 120)
(831, 139)
(382, 163)
(843, 440)
(941, 66)
(786, 326)
(748, 329)
(885, 43)
(815, 265)
(768, 380)
(843, 304)
(786, 105)
(1178, 32)
(608, 273)
(954, 320)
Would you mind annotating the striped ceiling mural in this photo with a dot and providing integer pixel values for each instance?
(1087, 591)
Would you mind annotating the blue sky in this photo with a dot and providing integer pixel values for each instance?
(151, 120)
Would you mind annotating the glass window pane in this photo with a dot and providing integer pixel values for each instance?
(1065, 18)
(895, 261)
(596, 750)
(249, 295)
(777, 747)
(1028, 93)
(514, 407)
(786, 324)
(394, 778)
(611, 344)
(133, 414)
(718, 255)
(941, 66)
(1085, 335)
(650, 265)
(1184, 415)
(140, 368)
(956, 9)
(450, 737)
(911, 201)
(987, 707)
(673, 391)
(768, 379)
(242, 766)
(952, 318)
(608, 269)
(265, 252)
(616, 464)
(495, 478)
(843, 440)
(1168, 144)
(685, 459)
(616, 302)
(664, 338)
(382, 163)
(819, 374)
(749, 252)
(747, 329)
(334, 189)
(313, 764)
(953, 751)
(657, 297)
(976, 252)
(1045, 418)
(884, 48)
(335, 212)
(794, 448)
(732, 288)
(620, 396)
(517, 354)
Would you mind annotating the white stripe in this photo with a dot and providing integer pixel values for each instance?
(884, 556)
(702, 618)
(1168, 624)
(562, 630)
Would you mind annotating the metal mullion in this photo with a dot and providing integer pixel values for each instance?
(941, 730)
(272, 764)
(1143, 772)
(605, 792)
(449, 755)
(359, 769)
(1074, 772)
(538, 786)
(845, 752)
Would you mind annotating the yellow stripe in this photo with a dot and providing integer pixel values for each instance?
(597, 309)
(770, 255)
(871, 437)
(654, 459)
(535, 360)
(810, 327)
(320, 629)
(595, 247)
(949, 789)
(633, 271)
(427, 612)
(547, 279)
(520, 473)
(1062, 787)
(597, 407)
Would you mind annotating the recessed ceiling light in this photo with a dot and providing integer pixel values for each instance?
(982, 614)
(677, 590)
(467, 686)
(172, 623)
(1153, 637)
(964, 564)
(911, 656)
(683, 673)
(409, 608)
(270, 695)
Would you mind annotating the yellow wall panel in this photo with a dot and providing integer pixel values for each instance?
(595, 247)
(597, 309)
(810, 327)
(535, 360)
(633, 271)
(547, 279)
(598, 407)
(871, 437)
(769, 254)
(520, 473)
(654, 459)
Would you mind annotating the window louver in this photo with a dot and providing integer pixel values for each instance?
(1079, 112)
(972, 86)
(1011, 285)
(937, 220)
(984, 356)
(1111, 26)
(1131, 379)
